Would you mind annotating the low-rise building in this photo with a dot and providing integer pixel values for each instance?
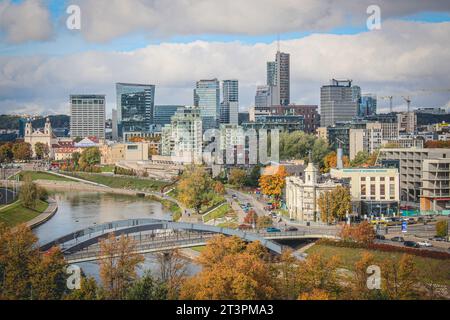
(435, 185)
(116, 152)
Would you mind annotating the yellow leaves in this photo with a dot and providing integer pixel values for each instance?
(362, 232)
(273, 184)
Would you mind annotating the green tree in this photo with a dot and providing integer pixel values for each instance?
(89, 290)
(253, 177)
(90, 157)
(41, 150)
(194, 188)
(29, 194)
(361, 158)
(237, 177)
(335, 204)
(6, 153)
(22, 151)
(147, 288)
(442, 228)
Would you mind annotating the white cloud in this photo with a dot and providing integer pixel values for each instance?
(402, 57)
(26, 21)
(104, 20)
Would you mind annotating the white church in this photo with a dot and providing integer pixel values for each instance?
(45, 136)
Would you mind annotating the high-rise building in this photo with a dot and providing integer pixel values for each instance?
(135, 107)
(207, 99)
(87, 116)
(337, 102)
(367, 105)
(183, 138)
(263, 96)
(164, 113)
(278, 78)
(229, 108)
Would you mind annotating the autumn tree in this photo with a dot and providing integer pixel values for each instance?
(237, 177)
(251, 217)
(273, 184)
(172, 271)
(90, 157)
(362, 233)
(330, 161)
(41, 150)
(399, 278)
(334, 204)
(358, 289)
(219, 188)
(288, 271)
(264, 222)
(29, 193)
(231, 270)
(442, 228)
(194, 188)
(22, 151)
(118, 269)
(6, 153)
(89, 290)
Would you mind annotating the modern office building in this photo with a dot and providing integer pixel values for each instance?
(135, 107)
(337, 102)
(407, 122)
(229, 108)
(182, 139)
(87, 116)
(435, 185)
(163, 114)
(263, 96)
(412, 166)
(278, 79)
(367, 105)
(283, 123)
(207, 99)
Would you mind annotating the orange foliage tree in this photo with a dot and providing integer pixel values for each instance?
(362, 233)
(273, 184)
(330, 161)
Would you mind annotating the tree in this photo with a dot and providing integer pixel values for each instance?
(18, 253)
(253, 178)
(288, 270)
(442, 228)
(29, 194)
(231, 270)
(361, 159)
(264, 222)
(147, 288)
(362, 233)
(219, 188)
(399, 278)
(237, 177)
(194, 188)
(251, 217)
(89, 290)
(6, 153)
(22, 151)
(330, 162)
(273, 184)
(41, 150)
(335, 204)
(315, 294)
(90, 157)
(358, 281)
(118, 269)
(172, 271)
(76, 158)
(48, 277)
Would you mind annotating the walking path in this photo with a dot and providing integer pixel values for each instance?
(45, 216)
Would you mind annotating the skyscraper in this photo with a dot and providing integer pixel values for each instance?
(337, 102)
(229, 108)
(278, 78)
(135, 107)
(367, 105)
(207, 99)
(263, 96)
(87, 116)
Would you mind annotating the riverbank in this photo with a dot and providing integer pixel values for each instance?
(44, 216)
(15, 213)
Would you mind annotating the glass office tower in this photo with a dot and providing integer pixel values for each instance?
(207, 99)
(135, 107)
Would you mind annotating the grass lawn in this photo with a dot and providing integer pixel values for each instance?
(199, 248)
(349, 256)
(218, 213)
(229, 225)
(36, 175)
(122, 182)
(17, 214)
(108, 168)
(172, 206)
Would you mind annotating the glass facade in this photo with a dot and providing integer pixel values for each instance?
(135, 105)
(367, 106)
(164, 113)
(207, 99)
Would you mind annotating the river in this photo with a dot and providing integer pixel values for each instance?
(79, 210)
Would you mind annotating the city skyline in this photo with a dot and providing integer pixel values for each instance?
(410, 48)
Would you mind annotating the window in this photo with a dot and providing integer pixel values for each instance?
(372, 179)
(363, 190)
(391, 179)
(372, 189)
(382, 178)
(392, 191)
(363, 178)
(382, 190)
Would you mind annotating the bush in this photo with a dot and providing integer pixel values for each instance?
(42, 193)
(124, 172)
(28, 194)
(442, 228)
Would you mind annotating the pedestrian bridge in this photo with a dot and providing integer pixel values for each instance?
(158, 235)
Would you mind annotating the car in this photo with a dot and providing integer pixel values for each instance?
(291, 229)
(398, 239)
(425, 244)
(380, 237)
(411, 244)
(438, 238)
(273, 229)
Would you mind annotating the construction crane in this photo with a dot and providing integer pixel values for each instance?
(408, 102)
(391, 99)
(407, 98)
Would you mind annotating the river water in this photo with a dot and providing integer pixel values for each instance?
(79, 210)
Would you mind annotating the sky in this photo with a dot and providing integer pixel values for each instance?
(172, 44)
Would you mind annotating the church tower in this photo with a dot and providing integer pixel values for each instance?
(28, 129)
(311, 174)
(48, 131)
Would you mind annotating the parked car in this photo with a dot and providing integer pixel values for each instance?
(425, 244)
(436, 238)
(411, 244)
(398, 239)
(380, 237)
(273, 229)
(291, 229)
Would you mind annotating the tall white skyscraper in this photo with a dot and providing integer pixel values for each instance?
(337, 102)
(230, 106)
(87, 116)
